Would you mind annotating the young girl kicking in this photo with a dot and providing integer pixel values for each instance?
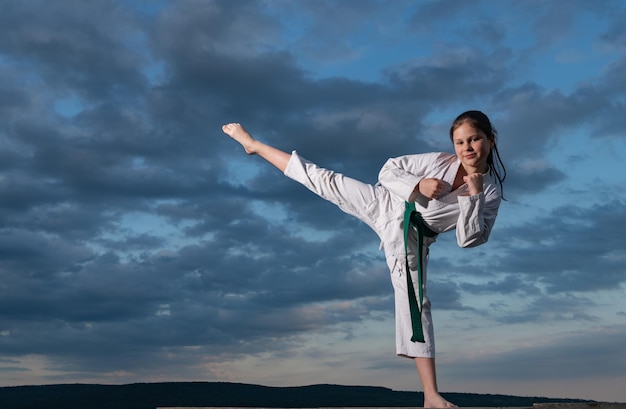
(417, 197)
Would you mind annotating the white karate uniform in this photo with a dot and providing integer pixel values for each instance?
(381, 207)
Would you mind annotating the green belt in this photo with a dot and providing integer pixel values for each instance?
(413, 218)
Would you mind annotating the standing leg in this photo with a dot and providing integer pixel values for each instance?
(423, 354)
(428, 376)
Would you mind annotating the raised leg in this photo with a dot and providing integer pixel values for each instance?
(252, 146)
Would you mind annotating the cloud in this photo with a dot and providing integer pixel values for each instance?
(550, 358)
(136, 239)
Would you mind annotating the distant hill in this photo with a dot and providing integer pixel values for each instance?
(190, 394)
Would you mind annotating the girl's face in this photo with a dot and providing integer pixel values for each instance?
(472, 147)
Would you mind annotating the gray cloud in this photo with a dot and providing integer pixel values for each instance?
(134, 236)
(551, 359)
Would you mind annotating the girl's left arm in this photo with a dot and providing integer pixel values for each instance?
(476, 218)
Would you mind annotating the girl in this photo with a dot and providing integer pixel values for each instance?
(417, 197)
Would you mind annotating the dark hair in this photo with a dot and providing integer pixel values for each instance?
(480, 121)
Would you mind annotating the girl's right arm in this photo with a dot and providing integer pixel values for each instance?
(402, 175)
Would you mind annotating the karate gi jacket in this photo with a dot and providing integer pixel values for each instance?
(382, 207)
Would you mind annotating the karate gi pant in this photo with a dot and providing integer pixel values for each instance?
(384, 213)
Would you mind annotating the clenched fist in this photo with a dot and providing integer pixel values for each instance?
(431, 188)
(474, 183)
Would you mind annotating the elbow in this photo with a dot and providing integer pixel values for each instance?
(474, 241)
(385, 170)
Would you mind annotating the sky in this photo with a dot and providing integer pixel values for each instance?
(138, 243)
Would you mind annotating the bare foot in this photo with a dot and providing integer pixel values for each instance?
(437, 401)
(239, 133)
